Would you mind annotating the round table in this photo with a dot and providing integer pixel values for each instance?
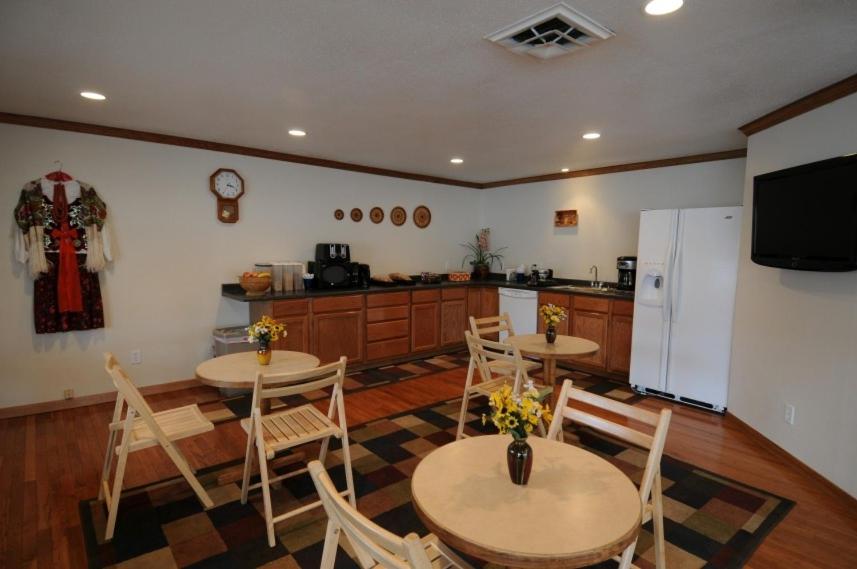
(565, 347)
(577, 510)
(238, 371)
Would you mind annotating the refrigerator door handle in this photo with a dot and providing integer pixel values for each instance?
(675, 290)
(667, 281)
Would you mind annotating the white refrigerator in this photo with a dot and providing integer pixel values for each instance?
(687, 268)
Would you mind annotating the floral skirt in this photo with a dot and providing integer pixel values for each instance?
(46, 315)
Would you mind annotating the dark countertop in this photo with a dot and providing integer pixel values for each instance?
(235, 292)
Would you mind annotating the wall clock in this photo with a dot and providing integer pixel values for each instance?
(228, 186)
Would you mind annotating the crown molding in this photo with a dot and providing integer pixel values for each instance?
(662, 163)
(838, 90)
(157, 138)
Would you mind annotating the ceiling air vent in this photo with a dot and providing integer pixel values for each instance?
(554, 31)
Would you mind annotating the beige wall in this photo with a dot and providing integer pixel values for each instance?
(609, 210)
(162, 294)
(795, 333)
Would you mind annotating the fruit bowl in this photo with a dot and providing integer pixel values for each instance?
(256, 284)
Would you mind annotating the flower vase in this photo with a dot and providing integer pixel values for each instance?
(519, 459)
(263, 354)
(481, 272)
(550, 334)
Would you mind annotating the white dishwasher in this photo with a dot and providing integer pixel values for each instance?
(522, 306)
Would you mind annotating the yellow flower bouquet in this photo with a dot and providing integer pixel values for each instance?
(264, 332)
(517, 415)
(552, 315)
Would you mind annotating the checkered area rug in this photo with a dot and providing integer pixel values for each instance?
(711, 521)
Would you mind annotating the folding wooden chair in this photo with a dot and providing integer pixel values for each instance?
(142, 428)
(482, 354)
(375, 546)
(483, 327)
(651, 499)
(280, 430)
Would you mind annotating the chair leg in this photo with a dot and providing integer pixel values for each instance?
(108, 463)
(322, 452)
(117, 486)
(248, 466)
(349, 475)
(266, 496)
(658, 523)
(465, 400)
(627, 556)
(181, 463)
(331, 544)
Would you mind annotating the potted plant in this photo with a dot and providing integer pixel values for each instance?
(518, 415)
(264, 332)
(480, 256)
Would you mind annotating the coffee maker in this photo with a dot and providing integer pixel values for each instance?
(627, 267)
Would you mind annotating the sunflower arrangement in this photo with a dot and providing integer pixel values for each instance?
(517, 415)
(552, 314)
(266, 330)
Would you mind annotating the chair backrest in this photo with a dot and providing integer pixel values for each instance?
(386, 549)
(484, 351)
(301, 382)
(128, 392)
(481, 327)
(654, 443)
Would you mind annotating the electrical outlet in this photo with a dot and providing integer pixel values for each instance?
(136, 356)
(68, 394)
(790, 414)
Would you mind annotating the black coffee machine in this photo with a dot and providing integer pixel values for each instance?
(333, 267)
(627, 267)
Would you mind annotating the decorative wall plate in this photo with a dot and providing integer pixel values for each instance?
(356, 214)
(339, 214)
(398, 215)
(422, 216)
(376, 214)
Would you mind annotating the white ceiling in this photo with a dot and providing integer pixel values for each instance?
(407, 84)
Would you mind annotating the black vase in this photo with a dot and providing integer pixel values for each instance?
(519, 459)
(550, 334)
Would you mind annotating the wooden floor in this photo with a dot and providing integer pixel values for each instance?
(49, 462)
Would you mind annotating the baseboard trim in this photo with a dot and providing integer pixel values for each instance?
(774, 448)
(94, 399)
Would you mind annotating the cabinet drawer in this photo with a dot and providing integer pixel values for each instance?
(592, 304)
(425, 295)
(337, 303)
(623, 308)
(556, 298)
(453, 293)
(387, 313)
(386, 330)
(290, 308)
(387, 299)
(387, 349)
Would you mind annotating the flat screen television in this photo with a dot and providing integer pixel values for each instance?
(805, 218)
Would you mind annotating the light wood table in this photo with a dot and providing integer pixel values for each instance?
(577, 510)
(238, 371)
(564, 348)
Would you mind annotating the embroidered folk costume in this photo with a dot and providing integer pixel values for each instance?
(63, 242)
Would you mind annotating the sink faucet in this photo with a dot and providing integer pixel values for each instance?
(595, 283)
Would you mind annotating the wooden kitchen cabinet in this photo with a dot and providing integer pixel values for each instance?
(489, 301)
(558, 299)
(338, 328)
(295, 315)
(425, 320)
(387, 325)
(592, 326)
(453, 316)
(619, 344)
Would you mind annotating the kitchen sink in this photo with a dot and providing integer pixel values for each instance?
(612, 291)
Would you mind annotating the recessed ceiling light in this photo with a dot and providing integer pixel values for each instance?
(457, 160)
(661, 7)
(92, 95)
(297, 132)
(592, 135)
(564, 170)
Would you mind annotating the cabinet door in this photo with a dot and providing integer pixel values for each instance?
(297, 334)
(592, 326)
(336, 334)
(474, 303)
(424, 326)
(619, 356)
(453, 322)
(489, 302)
(559, 299)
